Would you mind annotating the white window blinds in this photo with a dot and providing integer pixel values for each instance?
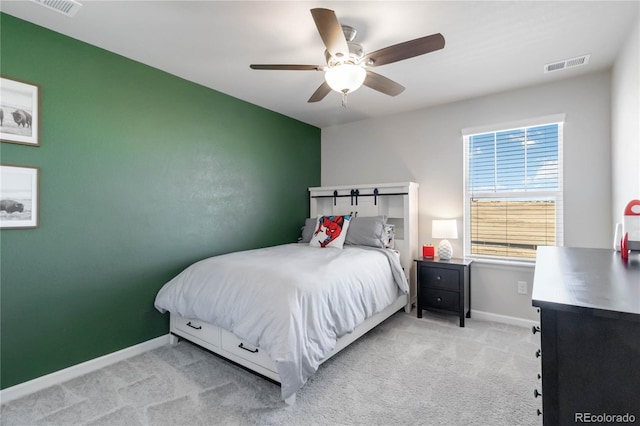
(513, 191)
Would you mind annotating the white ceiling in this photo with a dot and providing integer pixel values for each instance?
(490, 46)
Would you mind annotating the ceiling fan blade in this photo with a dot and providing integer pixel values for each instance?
(406, 50)
(331, 32)
(320, 93)
(382, 84)
(287, 67)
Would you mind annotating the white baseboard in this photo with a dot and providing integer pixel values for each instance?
(78, 370)
(488, 316)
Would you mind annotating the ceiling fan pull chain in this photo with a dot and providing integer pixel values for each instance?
(344, 99)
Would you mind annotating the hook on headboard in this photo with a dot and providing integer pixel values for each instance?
(335, 198)
(375, 196)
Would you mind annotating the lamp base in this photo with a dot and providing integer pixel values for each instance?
(445, 251)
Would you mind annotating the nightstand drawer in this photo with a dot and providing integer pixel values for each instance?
(441, 299)
(447, 279)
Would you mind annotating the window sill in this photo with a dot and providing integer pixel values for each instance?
(519, 264)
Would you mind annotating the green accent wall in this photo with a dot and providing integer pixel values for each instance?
(141, 174)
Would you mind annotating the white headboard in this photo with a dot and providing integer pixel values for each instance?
(397, 201)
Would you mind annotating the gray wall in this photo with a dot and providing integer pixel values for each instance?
(426, 146)
(625, 123)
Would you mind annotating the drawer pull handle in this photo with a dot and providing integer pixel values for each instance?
(193, 326)
(535, 329)
(536, 393)
(253, 351)
(538, 353)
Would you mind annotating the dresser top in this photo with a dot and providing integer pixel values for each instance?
(575, 279)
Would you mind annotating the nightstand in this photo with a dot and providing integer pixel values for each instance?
(444, 286)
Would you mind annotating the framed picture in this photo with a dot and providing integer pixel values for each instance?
(19, 112)
(19, 196)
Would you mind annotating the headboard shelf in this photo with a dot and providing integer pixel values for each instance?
(354, 194)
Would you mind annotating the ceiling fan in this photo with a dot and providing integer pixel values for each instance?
(348, 65)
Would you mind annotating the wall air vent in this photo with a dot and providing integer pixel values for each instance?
(66, 7)
(567, 63)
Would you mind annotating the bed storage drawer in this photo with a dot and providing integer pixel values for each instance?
(230, 343)
(199, 329)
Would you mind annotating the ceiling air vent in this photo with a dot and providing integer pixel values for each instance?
(66, 7)
(567, 63)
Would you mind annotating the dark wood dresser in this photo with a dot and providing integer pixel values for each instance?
(589, 302)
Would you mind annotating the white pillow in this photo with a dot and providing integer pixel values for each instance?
(330, 231)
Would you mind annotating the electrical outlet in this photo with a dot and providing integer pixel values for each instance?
(522, 287)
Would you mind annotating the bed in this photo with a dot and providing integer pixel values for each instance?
(282, 311)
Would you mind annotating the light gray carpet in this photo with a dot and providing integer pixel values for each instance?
(406, 371)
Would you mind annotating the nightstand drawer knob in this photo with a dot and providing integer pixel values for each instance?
(439, 299)
(438, 278)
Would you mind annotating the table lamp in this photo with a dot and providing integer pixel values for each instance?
(445, 229)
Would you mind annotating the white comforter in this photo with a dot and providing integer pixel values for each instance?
(294, 301)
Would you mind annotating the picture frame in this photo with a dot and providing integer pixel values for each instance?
(19, 196)
(19, 112)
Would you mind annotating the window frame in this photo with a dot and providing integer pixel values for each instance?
(556, 194)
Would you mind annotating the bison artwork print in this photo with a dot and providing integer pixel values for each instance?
(20, 102)
(22, 118)
(11, 206)
(18, 196)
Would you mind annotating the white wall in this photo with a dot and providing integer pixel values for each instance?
(426, 146)
(625, 123)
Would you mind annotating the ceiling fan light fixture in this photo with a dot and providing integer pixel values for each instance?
(345, 78)
(347, 65)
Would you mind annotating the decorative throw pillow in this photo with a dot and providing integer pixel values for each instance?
(308, 229)
(390, 236)
(330, 231)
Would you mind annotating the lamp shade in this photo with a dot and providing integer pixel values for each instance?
(345, 78)
(446, 229)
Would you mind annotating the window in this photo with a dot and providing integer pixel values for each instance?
(513, 190)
